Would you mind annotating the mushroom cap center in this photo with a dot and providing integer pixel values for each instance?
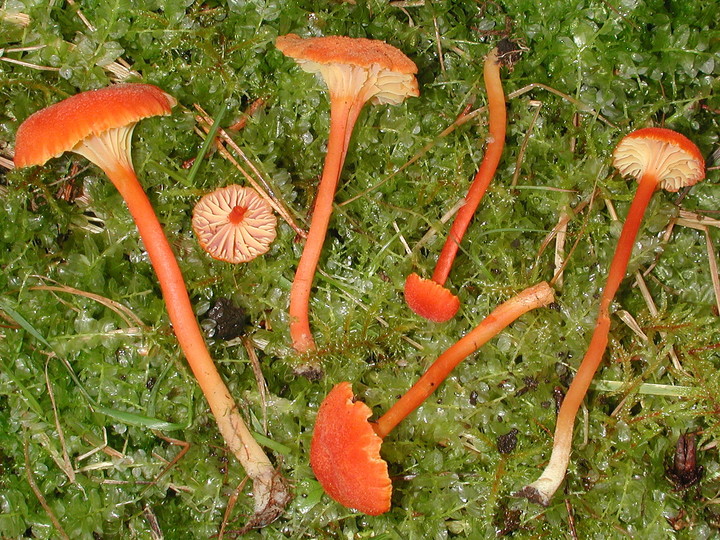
(237, 214)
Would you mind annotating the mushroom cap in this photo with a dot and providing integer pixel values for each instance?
(334, 57)
(345, 454)
(671, 157)
(234, 224)
(429, 299)
(60, 127)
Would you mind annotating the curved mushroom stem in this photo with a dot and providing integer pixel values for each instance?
(344, 112)
(429, 298)
(503, 315)
(542, 490)
(493, 152)
(269, 488)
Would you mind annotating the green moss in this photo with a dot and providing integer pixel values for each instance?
(615, 68)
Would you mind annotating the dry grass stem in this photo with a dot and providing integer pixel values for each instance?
(259, 379)
(439, 45)
(65, 465)
(125, 313)
(402, 238)
(560, 236)
(206, 122)
(443, 220)
(6, 163)
(184, 447)
(526, 140)
(232, 500)
(712, 259)
(40, 497)
(81, 16)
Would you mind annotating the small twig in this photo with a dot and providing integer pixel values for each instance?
(232, 500)
(82, 17)
(155, 530)
(444, 219)
(439, 45)
(526, 140)
(571, 520)
(206, 122)
(259, 379)
(185, 445)
(66, 466)
(712, 259)
(560, 236)
(402, 238)
(38, 493)
(7, 163)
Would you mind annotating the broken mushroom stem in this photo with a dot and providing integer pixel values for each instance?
(659, 158)
(100, 125)
(345, 449)
(428, 297)
(355, 71)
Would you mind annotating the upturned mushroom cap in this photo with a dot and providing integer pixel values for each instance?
(430, 299)
(234, 224)
(345, 454)
(63, 126)
(673, 158)
(346, 64)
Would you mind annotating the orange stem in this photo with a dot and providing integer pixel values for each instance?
(185, 325)
(493, 152)
(554, 472)
(343, 114)
(531, 298)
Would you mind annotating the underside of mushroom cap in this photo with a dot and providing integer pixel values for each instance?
(234, 224)
(345, 454)
(671, 157)
(60, 127)
(348, 64)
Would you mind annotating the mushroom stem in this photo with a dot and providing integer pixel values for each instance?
(542, 490)
(502, 316)
(189, 336)
(483, 177)
(344, 112)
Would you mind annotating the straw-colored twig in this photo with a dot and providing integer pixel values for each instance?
(206, 122)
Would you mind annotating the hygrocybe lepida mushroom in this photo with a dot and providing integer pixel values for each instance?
(98, 125)
(345, 448)
(355, 70)
(658, 158)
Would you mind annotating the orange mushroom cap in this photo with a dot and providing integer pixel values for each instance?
(673, 158)
(345, 454)
(61, 127)
(392, 72)
(234, 224)
(429, 299)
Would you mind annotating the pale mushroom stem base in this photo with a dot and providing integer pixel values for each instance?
(344, 112)
(268, 486)
(542, 490)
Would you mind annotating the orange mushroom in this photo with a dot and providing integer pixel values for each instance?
(428, 297)
(355, 70)
(234, 224)
(345, 448)
(98, 125)
(657, 157)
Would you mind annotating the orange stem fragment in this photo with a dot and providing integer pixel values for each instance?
(496, 142)
(529, 299)
(429, 298)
